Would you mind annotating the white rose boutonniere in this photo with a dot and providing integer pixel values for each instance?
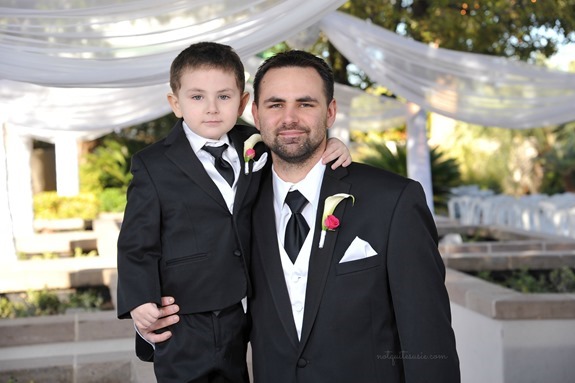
(249, 152)
(328, 220)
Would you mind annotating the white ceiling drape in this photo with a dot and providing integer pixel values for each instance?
(85, 68)
(105, 64)
(479, 89)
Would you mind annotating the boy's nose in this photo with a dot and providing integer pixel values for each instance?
(212, 107)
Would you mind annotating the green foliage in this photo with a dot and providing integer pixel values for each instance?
(47, 302)
(561, 280)
(89, 299)
(506, 28)
(107, 166)
(444, 171)
(79, 253)
(44, 302)
(49, 205)
(557, 158)
(113, 200)
(9, 309)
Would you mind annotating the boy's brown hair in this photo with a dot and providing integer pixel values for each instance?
(207, 55)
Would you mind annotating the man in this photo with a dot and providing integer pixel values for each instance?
(364, 301)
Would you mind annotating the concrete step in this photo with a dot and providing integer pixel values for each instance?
(79, 347)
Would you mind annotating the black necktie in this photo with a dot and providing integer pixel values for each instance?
(297, 228)
(222, 166)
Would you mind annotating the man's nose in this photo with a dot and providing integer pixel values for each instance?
(290, 115)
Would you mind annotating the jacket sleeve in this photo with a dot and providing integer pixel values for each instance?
(139, 244)
(420, 300)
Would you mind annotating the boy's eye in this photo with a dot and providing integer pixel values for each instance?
(224, 97)
(196, 97)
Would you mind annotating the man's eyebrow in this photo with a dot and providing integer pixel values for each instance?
(274, 99)
(300, 99)
(306, 99)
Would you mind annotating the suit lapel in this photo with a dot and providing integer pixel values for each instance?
(181, 154)
(270, 258)
(320, 259)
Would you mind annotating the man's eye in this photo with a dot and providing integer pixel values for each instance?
(275, 106)
(305, 105)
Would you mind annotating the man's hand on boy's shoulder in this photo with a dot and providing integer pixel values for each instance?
(166, 316)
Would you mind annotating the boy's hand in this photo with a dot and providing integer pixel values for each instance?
(336, 150)
(148, 318)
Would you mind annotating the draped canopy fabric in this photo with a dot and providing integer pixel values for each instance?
(479, 89)
(80, 69)
(93, 66)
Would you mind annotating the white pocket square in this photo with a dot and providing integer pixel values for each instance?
(358, 249)
(260, 163)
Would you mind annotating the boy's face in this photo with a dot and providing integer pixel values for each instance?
(209, 101)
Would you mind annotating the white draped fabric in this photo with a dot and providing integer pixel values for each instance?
(82, 69)
(479, 89)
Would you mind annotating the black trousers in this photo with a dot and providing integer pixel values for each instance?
(205, 348)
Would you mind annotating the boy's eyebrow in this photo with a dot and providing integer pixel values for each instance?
(203, 90)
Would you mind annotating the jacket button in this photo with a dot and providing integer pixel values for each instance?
(301, 363)
(237, 253)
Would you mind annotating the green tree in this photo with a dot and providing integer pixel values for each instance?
(510, 28)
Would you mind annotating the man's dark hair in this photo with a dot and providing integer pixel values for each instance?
(300, 59)
(207, 55)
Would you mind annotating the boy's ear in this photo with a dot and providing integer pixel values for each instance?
(255, 115)
(175, 105)
(243, 103)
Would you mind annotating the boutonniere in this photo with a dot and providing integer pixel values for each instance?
(249, 152)
(328, 220)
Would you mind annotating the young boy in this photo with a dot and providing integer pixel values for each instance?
(186, 228)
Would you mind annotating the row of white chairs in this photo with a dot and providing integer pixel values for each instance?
(550, 214)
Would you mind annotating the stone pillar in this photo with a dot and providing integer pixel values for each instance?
(6, 232)
(418, 159)
(19, 181)
(67, 165)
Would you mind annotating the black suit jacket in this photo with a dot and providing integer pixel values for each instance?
(178, 237)
(384, 318)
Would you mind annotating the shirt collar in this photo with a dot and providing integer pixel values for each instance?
(197, 142)
(310, 186)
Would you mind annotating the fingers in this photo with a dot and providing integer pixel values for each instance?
(168, 310)
(341, 161)
(163, 322)
(167, 301)
(157, 338)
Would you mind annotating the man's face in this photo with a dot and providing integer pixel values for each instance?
(209, 101)
(293, 114)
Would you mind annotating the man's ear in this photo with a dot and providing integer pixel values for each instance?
(331, 113)
(255, 115)
(175, 105)
(243, 103)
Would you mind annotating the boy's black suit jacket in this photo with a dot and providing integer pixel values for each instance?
(178, 237)
(385, 318)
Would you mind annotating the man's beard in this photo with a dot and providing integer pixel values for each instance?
(306, 146)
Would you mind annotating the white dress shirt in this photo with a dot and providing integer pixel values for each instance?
(230, 154)
(295, 274)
